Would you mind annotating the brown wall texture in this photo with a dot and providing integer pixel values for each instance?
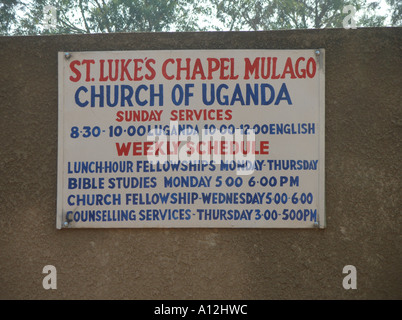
(363, 186)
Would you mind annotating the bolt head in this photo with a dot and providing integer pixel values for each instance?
(67, 55)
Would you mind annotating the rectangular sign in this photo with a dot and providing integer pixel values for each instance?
(191, 138)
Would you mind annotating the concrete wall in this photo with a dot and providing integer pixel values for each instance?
(363, 186)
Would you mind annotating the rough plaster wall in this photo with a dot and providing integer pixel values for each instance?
(363, 186)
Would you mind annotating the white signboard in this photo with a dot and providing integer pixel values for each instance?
(191, 138)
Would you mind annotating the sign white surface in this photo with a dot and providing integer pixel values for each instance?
(191, 138)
